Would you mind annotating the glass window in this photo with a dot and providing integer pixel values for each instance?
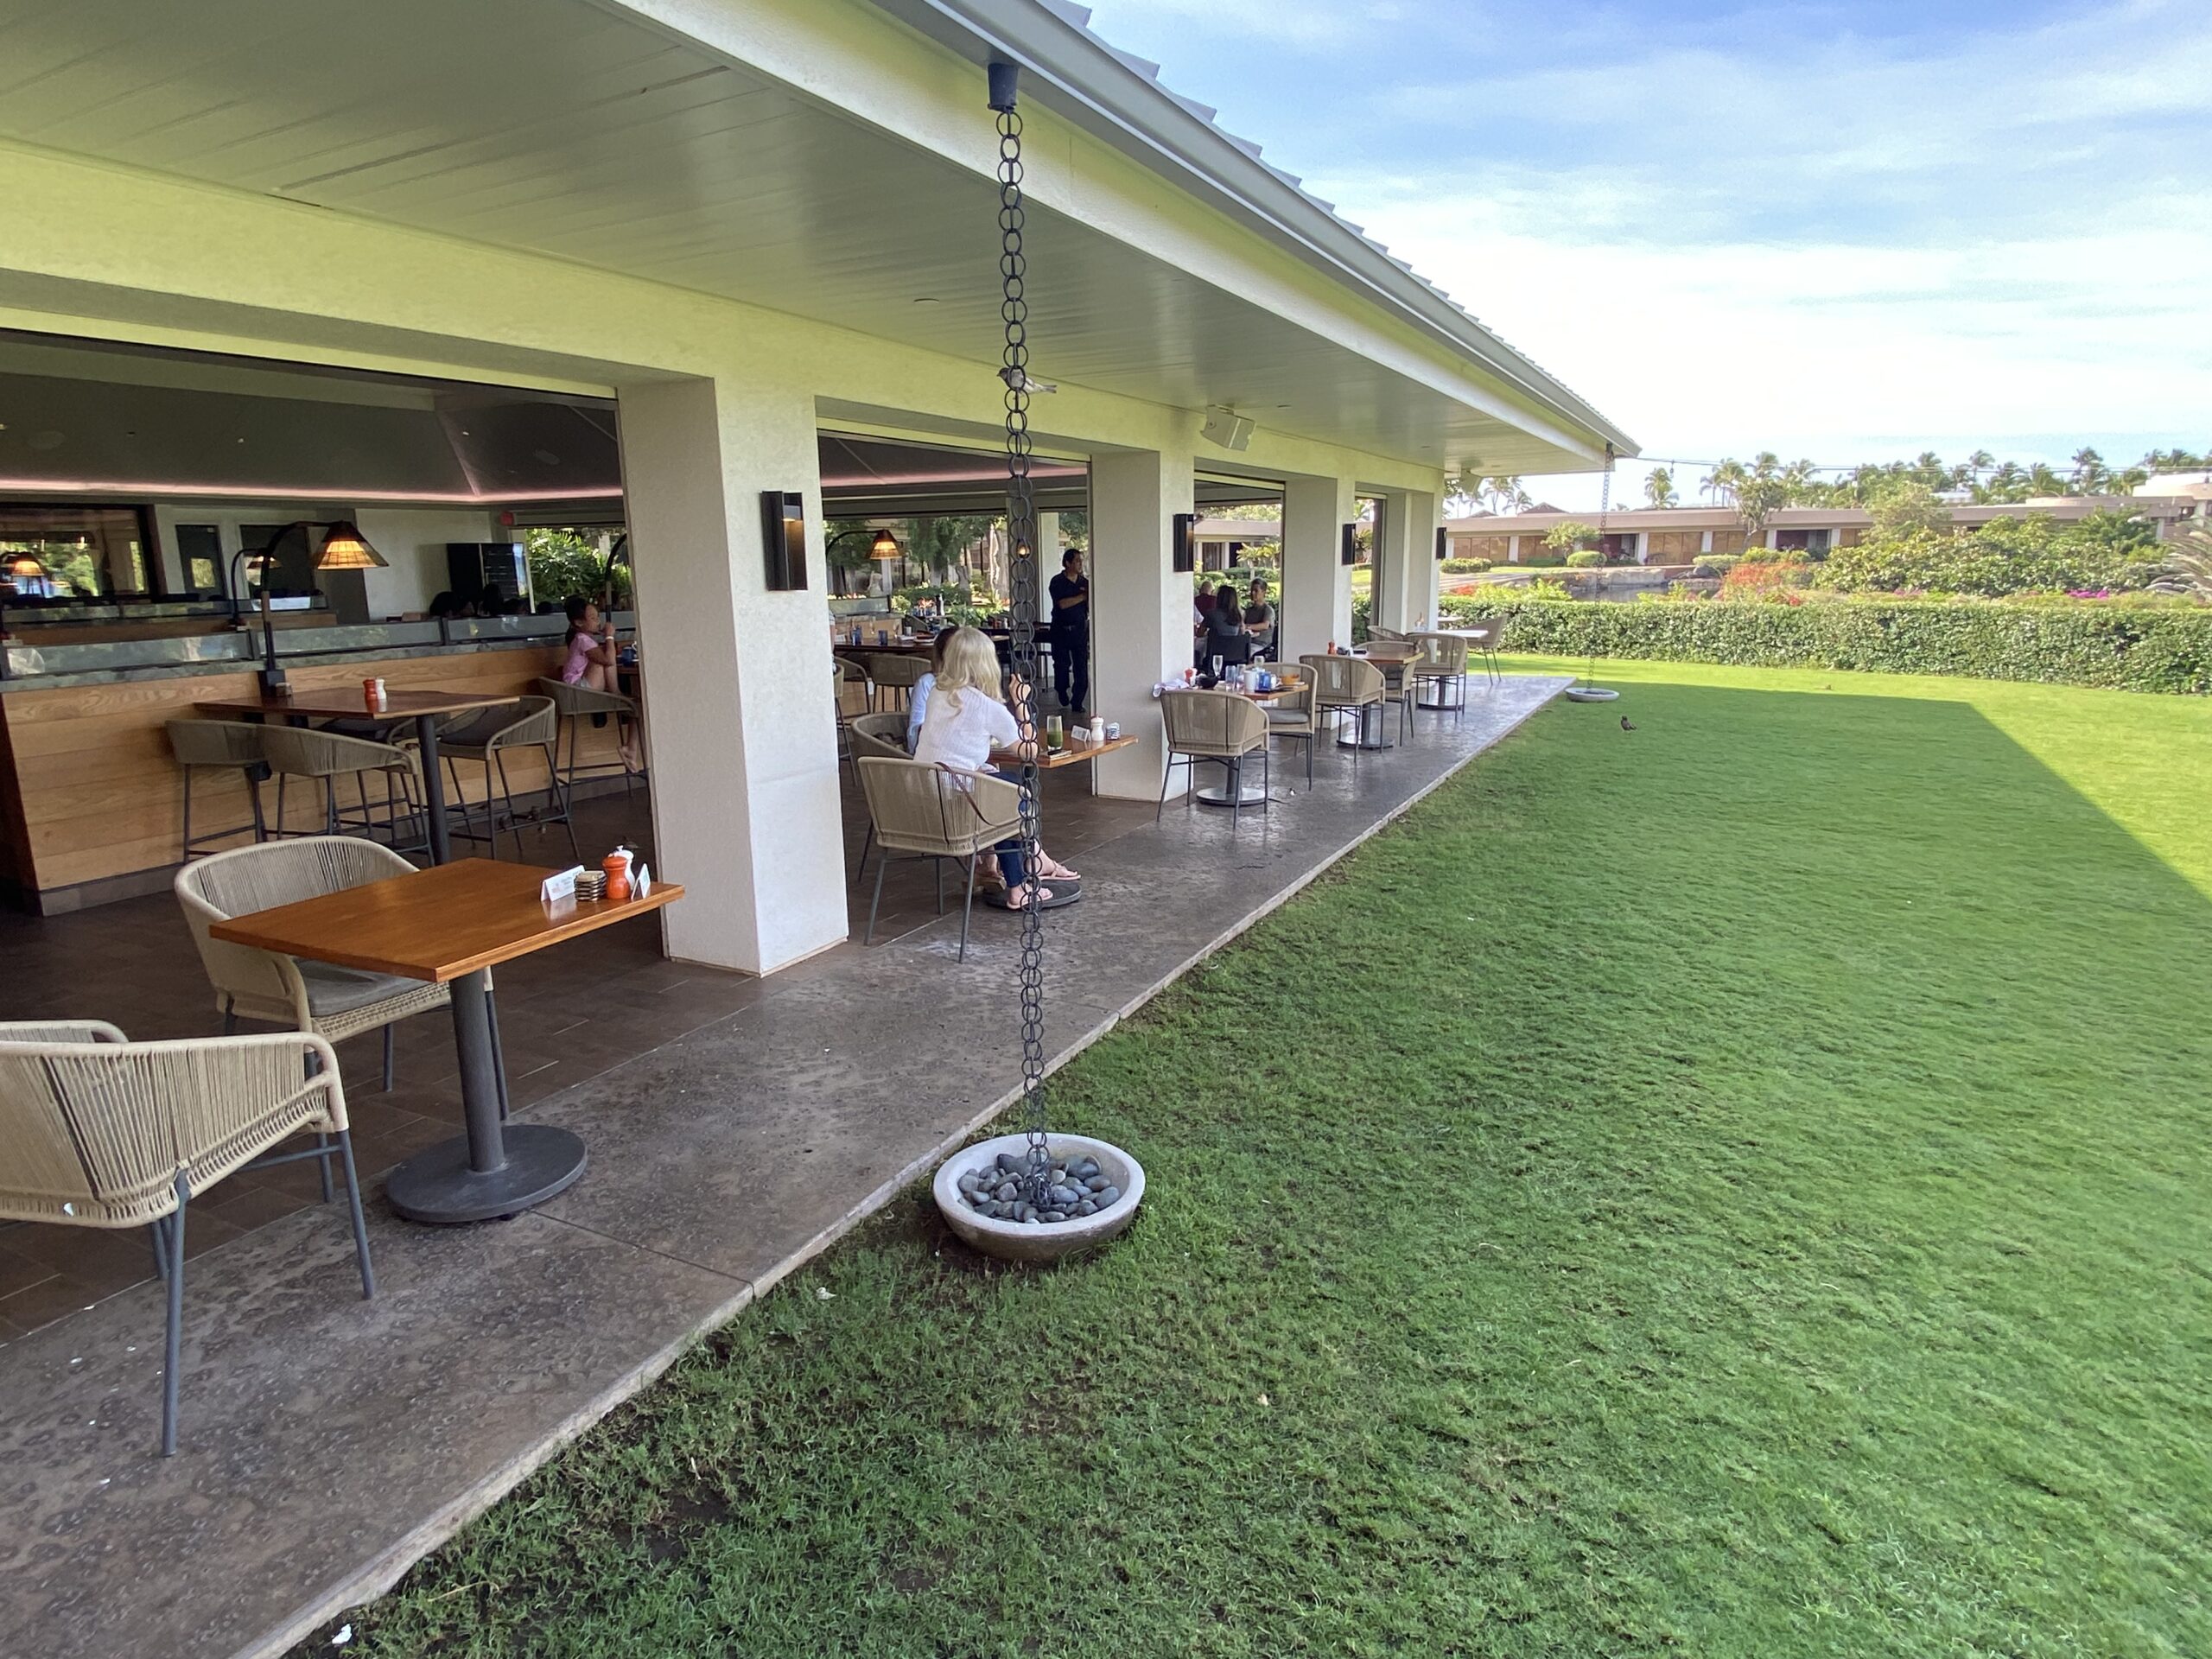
(199, 551)
(82, 551)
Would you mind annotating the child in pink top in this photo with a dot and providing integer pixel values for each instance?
(592, 661)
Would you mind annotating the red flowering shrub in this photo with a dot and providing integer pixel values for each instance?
(1749, 580)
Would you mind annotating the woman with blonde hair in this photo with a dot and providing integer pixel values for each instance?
(963, 722)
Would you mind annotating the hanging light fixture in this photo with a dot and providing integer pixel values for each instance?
(885, 546)
(344, 548)
(25, 566)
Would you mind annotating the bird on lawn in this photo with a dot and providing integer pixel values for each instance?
(1625, 724)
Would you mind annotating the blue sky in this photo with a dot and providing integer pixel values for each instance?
(1844, 230)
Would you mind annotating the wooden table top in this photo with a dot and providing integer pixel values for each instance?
(1070, 756)
(347, 703)
(434, 925)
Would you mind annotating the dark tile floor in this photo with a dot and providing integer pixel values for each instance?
(566, 1015)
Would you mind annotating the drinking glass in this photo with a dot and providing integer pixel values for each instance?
(1053, 733)
(1216, 669)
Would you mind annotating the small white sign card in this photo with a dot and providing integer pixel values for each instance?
(563, 885)
(642, 882)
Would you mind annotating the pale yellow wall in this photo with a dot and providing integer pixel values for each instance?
(115, 254)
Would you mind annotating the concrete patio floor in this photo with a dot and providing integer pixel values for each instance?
(328, 1443)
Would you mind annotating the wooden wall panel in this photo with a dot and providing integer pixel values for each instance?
(93, 792)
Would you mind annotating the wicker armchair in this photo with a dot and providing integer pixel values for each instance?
(324, 757)
(895, 670)
(1442, 662)
(1481, 637)
(920, 810)
(1219, 726)
(883, 736)
(526, 723)
(333, 1003)
(219, 746)
(104, 1132)
(1343, 682)
(572, 706)
(1292, 715)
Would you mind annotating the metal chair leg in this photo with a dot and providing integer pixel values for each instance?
(360, 1222)
(882, 865)
(967, 906)
(1166, 773)
(387, 1059)
(937, 878)
(161, 1250)
(253, 792)
(866, 842)
(1235, 790)
(508, 797)
(173, 1341)
(321, 1164)
(188, 771)
(555, 804)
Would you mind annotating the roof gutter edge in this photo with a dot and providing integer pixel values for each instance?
(1074, 69)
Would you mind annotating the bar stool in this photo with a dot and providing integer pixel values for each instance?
(325, 757)
(573, 704)
(219, 746)
(525, 723)
(896, 672)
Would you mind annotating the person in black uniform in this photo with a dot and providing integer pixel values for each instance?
(1070, 593)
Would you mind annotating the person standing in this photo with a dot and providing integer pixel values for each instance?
(1071, 594)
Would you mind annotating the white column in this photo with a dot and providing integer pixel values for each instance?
(1316, 584)
(741, 716)
(1408, 558)
(1139, 606)
(1705, 541)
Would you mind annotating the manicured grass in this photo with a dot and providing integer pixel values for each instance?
(1735, 1187)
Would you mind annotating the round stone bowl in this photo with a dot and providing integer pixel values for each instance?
(1021, 1240)
(1591, 694)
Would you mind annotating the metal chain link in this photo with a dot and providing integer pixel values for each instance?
(1021, 532)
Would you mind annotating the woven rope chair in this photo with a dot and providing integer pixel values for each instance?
(334, 1003)
(104, 1132)
(1483, 636)
(526, 723)
(1442, 662)
(1215, 726)
(1292, 715)
(884, 737)
(922, 810)
(572, 706)
(1342, 684)
(892, 671)
(324, 757)
(219, 746)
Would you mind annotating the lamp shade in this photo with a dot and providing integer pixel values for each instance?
(885, 546)
(344, 548)
(25, 566)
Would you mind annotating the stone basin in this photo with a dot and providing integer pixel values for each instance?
(1021, 1240)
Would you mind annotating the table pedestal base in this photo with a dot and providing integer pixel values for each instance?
(1373, 732)
(1222, 795)
(438, 1185)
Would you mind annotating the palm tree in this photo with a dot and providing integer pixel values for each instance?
(1726, 477)
(2090, 473)
(1659, 488)
(2043, 479)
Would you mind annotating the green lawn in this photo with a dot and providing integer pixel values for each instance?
(1735, 1187)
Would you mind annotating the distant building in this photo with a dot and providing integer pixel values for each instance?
(1678, 534)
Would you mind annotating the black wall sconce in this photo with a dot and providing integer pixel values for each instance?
(1443, 544)
(783, 538)
(1186, 543)
(1350, 554)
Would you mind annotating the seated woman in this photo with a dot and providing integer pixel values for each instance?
(918, 699)
(592, 661)
(1227, 637)
(963, 721)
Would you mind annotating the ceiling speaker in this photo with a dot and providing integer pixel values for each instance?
(1226, 428)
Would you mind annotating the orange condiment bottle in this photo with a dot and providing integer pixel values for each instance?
(618, 876)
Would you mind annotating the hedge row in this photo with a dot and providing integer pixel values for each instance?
(2087, 645)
